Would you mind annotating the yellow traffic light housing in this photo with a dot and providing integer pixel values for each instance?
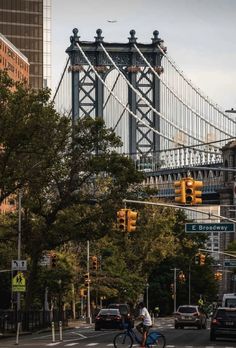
(86, 279)
(189, 190)
(181, 277)
(202, 259)
(180, 191)
(121, 219)
(197, 193)
(94, 263)
(53, 260)
(218, 275)
(131, 220)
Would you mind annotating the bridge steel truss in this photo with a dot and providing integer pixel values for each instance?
(88, 89)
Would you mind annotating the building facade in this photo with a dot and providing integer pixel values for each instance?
(27, 25)
(12, 60)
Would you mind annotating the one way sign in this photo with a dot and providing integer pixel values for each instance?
(19, 265)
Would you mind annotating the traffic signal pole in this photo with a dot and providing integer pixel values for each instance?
(210, 214)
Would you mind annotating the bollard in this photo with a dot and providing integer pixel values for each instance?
(60, 331)
(17, 333)
(53, 332)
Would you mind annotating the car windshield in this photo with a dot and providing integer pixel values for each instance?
(187, 309)
(122, 308)
(225, 314)
(109, 312)
(230, 302)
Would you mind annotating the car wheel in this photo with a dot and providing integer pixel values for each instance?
(97, 328)
(212, 336)
(176, 326)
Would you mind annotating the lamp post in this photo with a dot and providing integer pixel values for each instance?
(175, 274)
(88, 319)
(19, 244)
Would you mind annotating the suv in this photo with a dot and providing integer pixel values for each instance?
(223, 323)
(124, 311)
(189, 315)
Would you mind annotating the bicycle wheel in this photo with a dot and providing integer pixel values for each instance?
(156, 340)
(123, 340)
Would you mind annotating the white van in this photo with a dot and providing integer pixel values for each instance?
(229, 300)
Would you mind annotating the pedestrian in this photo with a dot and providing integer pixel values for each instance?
(146, 323)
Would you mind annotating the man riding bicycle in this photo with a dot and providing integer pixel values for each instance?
(146, 323)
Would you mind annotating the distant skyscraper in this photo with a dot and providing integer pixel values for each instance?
(27, 24)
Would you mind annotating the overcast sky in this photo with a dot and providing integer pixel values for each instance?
(200, 35)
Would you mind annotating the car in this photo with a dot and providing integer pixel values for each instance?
(125, 312)
(190, 315)
(108, 318)
(223, 323)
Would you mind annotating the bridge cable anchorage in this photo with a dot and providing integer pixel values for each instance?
(181, 100)
(195, 88)
(120, 102)
(146, 101)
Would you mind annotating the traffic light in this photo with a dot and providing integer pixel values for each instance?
(83, 292)
(53, 260)
(180, 191)
(86, 279)
(218, 275)
(197, 259)
(202, 259)
(94, 263)
(197, 185)
(131, 220)
(189, 190)
(121, 219)
(172, 288)
(181, 277)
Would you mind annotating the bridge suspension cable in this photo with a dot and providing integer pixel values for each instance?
(193, 87)
(180, 99)
(137, 92)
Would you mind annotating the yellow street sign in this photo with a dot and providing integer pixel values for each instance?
(19, 283)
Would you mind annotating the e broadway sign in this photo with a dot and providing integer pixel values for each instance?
(221, 227)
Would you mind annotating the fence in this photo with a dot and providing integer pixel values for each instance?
(30, 320)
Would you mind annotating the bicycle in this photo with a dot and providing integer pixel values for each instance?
(126, 339)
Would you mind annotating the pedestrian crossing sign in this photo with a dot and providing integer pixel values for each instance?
(18, 283)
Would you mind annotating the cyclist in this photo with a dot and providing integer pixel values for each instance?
(146, 323)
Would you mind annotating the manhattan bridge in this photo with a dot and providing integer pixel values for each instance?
(168, 126)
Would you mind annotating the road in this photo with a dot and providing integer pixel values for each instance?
(86, 336)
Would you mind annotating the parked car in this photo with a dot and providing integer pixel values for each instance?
(190, 315)
(124, 311)
(108, 318)
(223, 323)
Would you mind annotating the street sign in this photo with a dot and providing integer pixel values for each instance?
(45, 260)
(19, 283)
(230, 263)
(18, 265)
(221, 227)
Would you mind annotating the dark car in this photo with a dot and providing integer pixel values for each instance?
(190, 315)
(124, 311)
(108, 318)
(223, 323)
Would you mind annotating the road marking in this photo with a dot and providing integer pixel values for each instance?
(92, 344)
(71, 344)
(53, 344)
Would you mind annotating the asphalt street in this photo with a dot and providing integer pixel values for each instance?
(85, 336)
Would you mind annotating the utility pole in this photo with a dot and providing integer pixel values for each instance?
(175, 276)
(88, 319)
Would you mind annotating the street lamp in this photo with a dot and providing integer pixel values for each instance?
(231, 111)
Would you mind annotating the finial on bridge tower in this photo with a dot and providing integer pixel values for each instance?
(156, 39)
(99, 37)
(132, 38)
(75, 38)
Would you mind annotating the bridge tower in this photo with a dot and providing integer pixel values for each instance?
(88, 89)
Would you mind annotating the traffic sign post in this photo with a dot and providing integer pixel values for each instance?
(216, 227)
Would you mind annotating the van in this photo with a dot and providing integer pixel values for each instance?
(229, 300)
(124, 311)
